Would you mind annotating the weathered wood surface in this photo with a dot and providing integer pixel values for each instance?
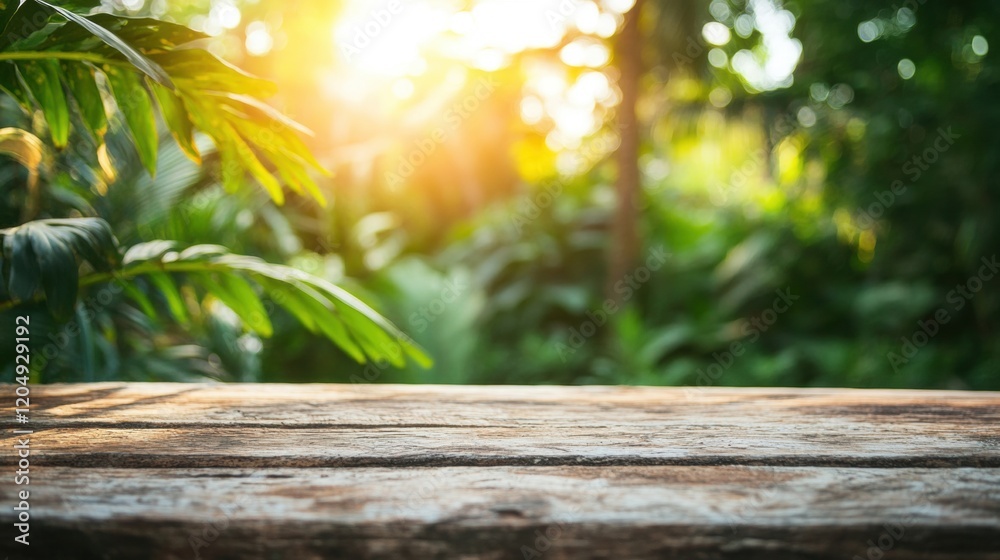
(217, 471)
(312, 426)
(587, 512)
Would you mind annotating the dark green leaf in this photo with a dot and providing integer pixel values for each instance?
(137, 59)
(8, 12)
(11, 83)
(59, 270)
(148, 34)
(44, 255)
(96, 243)
(25, 276)
(80, 5)
(3, 275)
(20, 22)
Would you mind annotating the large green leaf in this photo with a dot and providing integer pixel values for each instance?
(175, 115)
(80, 79)
(147, 34)
(202, 91)
(19, 21)
(239, 296)
(321, 306)
(137, 108)
(44, 257)
(175, 302)
(252, 164)
(43, 80)
(135, 57)
(200, 70)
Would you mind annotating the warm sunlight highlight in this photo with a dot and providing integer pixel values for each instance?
(395, 38)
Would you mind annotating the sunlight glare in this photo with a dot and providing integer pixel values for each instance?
(394, 42)
(387, 43)
(259, 41)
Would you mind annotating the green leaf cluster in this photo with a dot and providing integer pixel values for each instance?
(44, 253)
(57, 61)
(239, 282)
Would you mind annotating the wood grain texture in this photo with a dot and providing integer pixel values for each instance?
(187, 426)
(167, 471)
(454, 512)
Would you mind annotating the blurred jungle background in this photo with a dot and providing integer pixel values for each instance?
(668, 192)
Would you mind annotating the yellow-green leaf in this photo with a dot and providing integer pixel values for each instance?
(80, 79)
(240, 296)
(254, 166)
(170, 293)
(176, 116)
(43, 81)
(137, 108)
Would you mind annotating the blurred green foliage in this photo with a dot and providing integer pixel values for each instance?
(493, 258)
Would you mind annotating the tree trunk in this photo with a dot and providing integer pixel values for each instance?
(625, 242)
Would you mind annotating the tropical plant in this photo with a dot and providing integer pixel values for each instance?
(72, 75)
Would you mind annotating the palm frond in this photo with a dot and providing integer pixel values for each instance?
(47, 253)
(239, 282)
(147, 68)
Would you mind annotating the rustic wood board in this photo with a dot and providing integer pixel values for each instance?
(452, 512)
(313, 426)
(167, 471)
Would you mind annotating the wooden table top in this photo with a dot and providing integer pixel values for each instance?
(167, 471)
